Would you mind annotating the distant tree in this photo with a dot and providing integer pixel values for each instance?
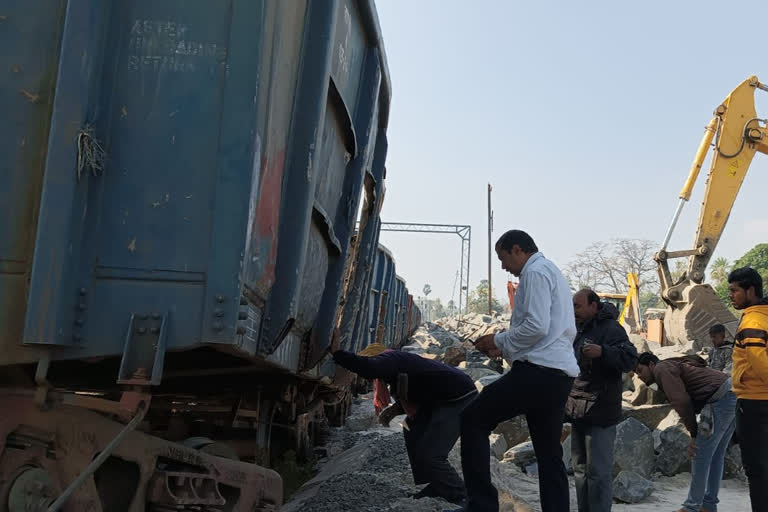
(478, 300)
(757, 258)
(438, 310)
(603, 266)
(650, 300)
(680, 267)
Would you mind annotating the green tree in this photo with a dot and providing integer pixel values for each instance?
(757, 258)
(718, 274)
(478, 300)
(719, 270)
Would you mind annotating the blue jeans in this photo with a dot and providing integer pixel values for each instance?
(707, 465)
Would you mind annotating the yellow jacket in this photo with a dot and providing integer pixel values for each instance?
(750, 354)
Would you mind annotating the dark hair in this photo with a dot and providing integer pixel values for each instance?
(518, 238)
(592, 297)
(746, 278)
(646, 358)
(717, 329)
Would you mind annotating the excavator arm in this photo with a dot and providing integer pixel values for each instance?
(629, 318)
(737, 134)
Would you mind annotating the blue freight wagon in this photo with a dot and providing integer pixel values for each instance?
(181, 185)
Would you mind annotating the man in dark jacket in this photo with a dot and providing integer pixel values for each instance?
(594, 405)
(435, 396)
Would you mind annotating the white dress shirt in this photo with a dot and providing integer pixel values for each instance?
(542, 327)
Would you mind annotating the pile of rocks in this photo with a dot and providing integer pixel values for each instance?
(368, 471)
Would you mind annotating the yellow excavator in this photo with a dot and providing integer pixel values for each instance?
(629, 318)
(738, 134)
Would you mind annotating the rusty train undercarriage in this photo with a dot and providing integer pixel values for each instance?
(132, 451)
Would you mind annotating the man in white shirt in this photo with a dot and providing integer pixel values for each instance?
(539, 348)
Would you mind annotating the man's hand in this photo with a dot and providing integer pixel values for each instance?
(592, 351)
(486, 345)
(692, 448)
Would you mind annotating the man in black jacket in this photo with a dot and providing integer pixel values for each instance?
(594, 405)
(436, 394)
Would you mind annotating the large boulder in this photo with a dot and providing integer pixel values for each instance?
(475, 356)
(515, 431)
(648, 415)
(670, 420)
(567, 459)
(435, 349)
(672, 455)
(734, 467)
(516, 489)
(479, 373)
(498, 446)
(626, 382)
(455, 354)
(633, 448)
(495, 365)
(640, 343)
(491, 329)
(630, 487)
(471, 364)
(445, 338)
(643, 394)
(485, 381)
(522, 455)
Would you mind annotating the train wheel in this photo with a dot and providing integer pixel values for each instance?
(30, 490)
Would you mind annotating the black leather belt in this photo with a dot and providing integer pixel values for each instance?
(553, 371)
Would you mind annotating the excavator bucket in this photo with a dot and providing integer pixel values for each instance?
(690, 323)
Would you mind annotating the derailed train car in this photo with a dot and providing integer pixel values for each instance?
(177, 244)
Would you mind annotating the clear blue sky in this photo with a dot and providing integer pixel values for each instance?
(584, 116)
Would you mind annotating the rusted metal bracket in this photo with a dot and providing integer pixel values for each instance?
(125, 409)
(41, 379)
(144, 352)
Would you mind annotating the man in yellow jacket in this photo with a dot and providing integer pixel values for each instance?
(750, 380)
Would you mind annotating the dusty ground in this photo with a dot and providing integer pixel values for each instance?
(368, 471)
(671, 492)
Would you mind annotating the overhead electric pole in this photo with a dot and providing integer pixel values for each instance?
(490, 251)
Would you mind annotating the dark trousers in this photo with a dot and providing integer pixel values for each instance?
(429, 438)
(592, 456)
(752, 429)
(540, 394)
